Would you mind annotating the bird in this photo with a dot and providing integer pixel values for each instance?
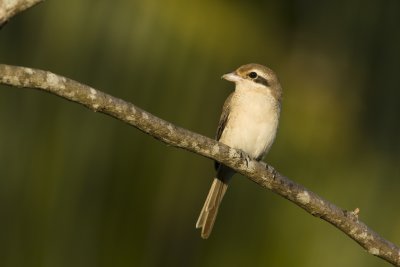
(249, 122)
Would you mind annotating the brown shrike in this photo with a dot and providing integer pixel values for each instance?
(248, 122)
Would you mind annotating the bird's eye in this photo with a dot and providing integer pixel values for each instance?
(253, 75)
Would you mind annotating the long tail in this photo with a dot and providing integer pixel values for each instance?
(210, 209)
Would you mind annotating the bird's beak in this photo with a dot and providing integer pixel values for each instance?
(232, 77)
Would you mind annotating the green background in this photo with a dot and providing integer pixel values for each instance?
(79, 188)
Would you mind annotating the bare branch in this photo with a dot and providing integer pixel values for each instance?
(265, 176)
(9, 8)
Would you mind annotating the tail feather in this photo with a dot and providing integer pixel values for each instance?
(210, 209)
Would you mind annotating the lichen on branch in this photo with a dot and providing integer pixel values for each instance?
(264, 175)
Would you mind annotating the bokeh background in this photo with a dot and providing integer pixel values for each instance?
(79, 188)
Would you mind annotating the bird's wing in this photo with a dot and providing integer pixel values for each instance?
(223, 120)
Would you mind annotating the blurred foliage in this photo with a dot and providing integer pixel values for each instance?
(81, 189)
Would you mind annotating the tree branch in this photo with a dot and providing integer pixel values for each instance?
(265, 176)
(9, 8)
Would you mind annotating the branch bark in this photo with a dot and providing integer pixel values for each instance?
(265, 176)
(9, 8)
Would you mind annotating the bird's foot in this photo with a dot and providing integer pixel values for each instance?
(265, 165)
(246, 157)
(268, 167)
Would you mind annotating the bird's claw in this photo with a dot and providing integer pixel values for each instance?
(245, 157)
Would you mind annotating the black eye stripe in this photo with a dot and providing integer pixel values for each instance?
(261, 80)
